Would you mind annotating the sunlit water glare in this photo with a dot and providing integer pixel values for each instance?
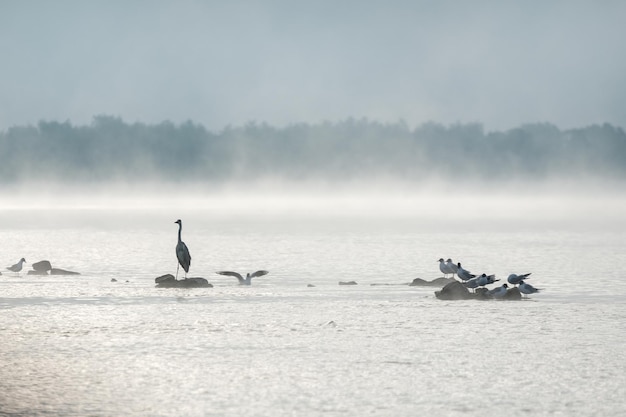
(87, 346)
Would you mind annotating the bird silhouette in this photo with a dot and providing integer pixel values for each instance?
(17, 267)
(182, 253)
(248, 279)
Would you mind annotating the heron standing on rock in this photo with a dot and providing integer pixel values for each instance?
(182, 253)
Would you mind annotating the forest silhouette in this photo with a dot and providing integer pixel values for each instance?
(110, 149)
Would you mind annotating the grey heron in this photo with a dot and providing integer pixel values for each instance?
(248, 279)
(182, 253)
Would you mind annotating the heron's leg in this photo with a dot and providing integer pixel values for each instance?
(177, 266)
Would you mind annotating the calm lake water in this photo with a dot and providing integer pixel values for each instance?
(87, 346)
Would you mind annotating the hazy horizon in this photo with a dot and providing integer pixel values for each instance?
(226, 64)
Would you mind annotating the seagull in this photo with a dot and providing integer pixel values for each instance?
(499, 292)
(182, 253)
(527, 288)
(451, 265)
(516, 279)
(248, 279)
(443, 267)
(485, 279)
(464, 274)
(472, 283)
(17, 267)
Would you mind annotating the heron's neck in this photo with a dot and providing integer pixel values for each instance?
(180, 228)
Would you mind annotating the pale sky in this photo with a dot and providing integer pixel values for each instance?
(219, 63)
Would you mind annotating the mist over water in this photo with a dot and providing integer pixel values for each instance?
(324, 142)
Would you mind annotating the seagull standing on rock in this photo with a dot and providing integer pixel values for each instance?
(500, 291)
(17, 267)
(464, 274)
(445, 268)
(485, 279)
(451, 266)
(516, 279)
(527, 288)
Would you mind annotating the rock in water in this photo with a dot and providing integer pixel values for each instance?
(169, 281)
(347, 283)
(36, 272)
(437, 282)
(59, 271)
(512, 294)
(453, 291)
(42, 266)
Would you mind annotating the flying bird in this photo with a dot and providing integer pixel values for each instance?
(17, 267)
(182, 253)
(516, 279)
(248, 279)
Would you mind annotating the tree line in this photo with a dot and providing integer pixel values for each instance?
(110, 149)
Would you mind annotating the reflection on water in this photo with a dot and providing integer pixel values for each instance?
(84, 345)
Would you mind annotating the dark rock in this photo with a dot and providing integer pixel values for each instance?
(457, 291)
(437, 282)
(113, 280)
(42, 266)
(37, 273)
(310, 285)
(482, 294)
(163, 278)
(512, 294)
(454, 291)
(59, 271)
(347, 283)
(169, 281)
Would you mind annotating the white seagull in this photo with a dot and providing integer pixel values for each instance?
(500, 291)
(17, 267)
(451, 266)
(472, 283)
(516, 279)
(485, 279)
(443, 267)
(248, 279)
(527, 288)
(464, 274)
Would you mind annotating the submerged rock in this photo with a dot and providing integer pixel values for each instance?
(512, 294)
(37, 272)
(169, 281)
(310, 285)
(457, 291)
(437, 282)
(454, 291)
(42, 266)
(347, 283)
(59, 271)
